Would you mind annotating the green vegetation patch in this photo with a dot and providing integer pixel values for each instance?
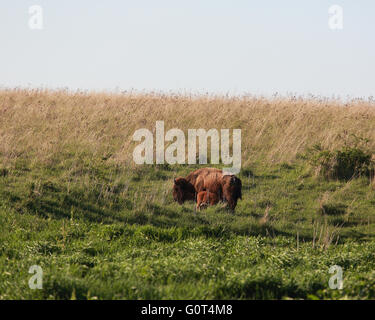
(102, 231)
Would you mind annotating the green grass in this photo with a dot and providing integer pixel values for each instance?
(105, 231)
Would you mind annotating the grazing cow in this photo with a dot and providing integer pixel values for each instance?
(227, 187)
(206, 198)
(183, 190)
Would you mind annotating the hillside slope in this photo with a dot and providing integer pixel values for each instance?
(73, 202)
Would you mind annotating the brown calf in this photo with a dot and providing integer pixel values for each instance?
(206, 198)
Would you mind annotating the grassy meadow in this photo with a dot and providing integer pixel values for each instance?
(73, 202)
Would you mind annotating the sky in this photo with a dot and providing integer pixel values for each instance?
(236, 47)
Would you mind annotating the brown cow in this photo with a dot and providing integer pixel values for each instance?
(206, 198)
(227, 187)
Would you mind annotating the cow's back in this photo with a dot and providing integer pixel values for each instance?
(206, 179)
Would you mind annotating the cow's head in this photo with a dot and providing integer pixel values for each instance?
(183, 190)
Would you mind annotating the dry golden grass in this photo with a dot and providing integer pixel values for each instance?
(44, 124)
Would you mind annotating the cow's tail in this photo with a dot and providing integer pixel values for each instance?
(234, 181)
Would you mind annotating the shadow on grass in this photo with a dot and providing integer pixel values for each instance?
(333, 209)
(68, 207)
(53, 203)
(266, 287)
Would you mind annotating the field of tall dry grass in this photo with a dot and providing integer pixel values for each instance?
(44, 124)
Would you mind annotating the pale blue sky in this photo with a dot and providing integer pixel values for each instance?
(259, 46)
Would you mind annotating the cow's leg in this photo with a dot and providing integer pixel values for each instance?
(232, 206)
